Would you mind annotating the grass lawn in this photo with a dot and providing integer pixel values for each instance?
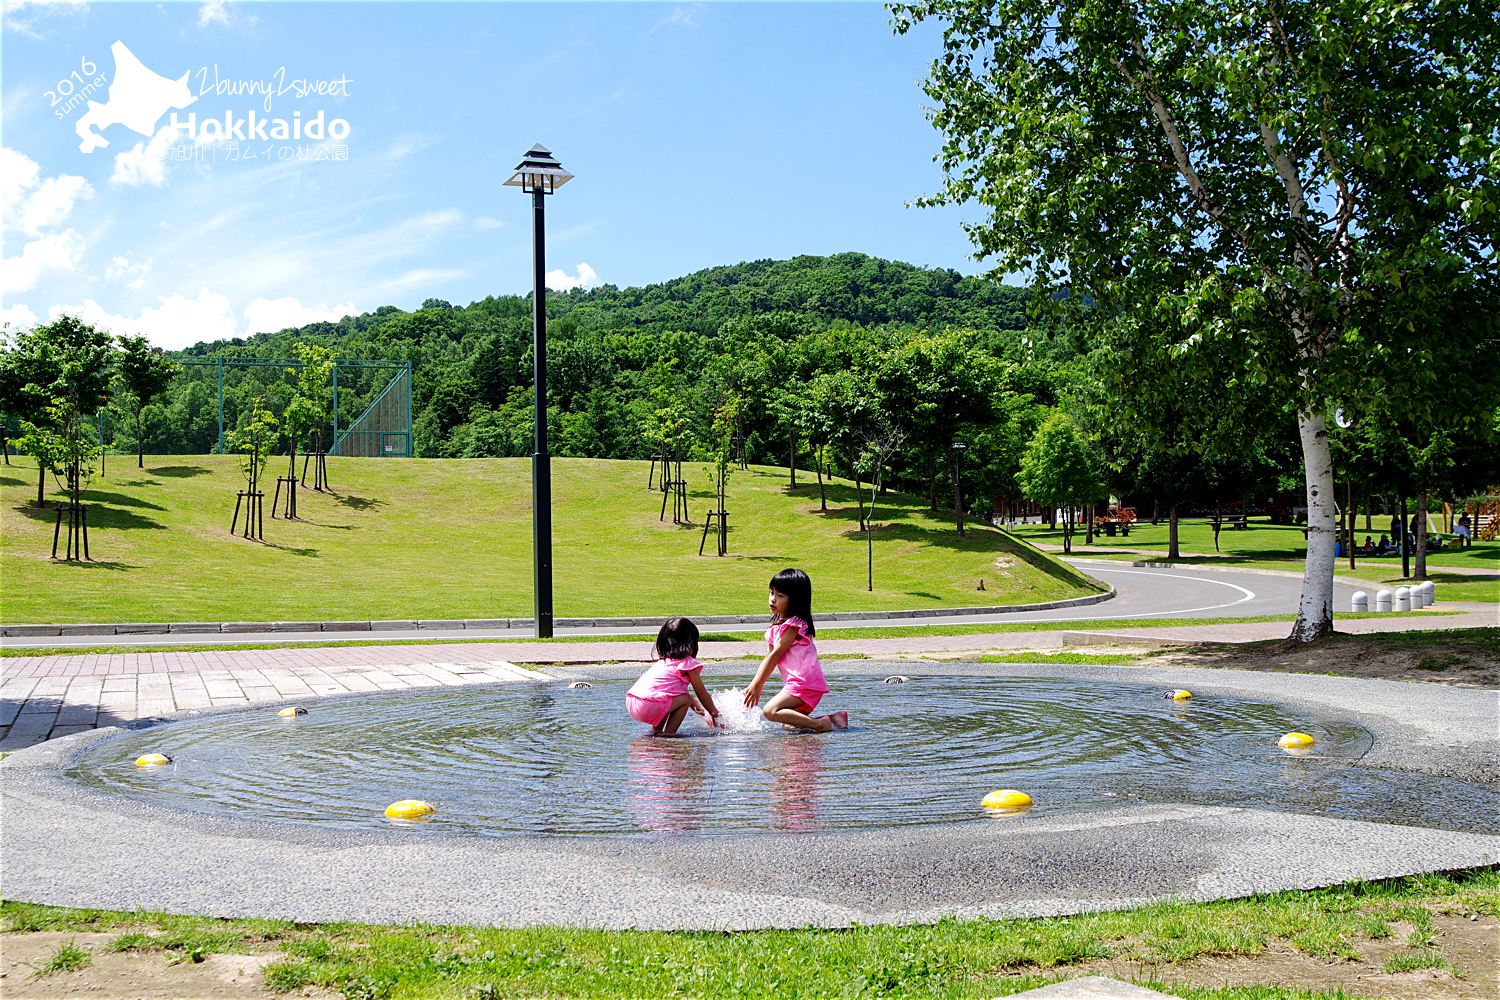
(1338, 936)
(1263, 545)
(437, 538)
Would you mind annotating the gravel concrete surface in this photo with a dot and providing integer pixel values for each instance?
(69, 846)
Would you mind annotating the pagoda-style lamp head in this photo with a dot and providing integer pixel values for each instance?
(539, 171)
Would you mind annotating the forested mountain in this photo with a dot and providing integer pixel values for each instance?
(472, 378)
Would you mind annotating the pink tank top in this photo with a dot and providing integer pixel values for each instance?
(665, 678)
(799, 666)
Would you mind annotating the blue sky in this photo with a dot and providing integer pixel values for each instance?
(700, 134)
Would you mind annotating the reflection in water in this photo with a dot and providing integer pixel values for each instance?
(796, 768)
(541, 759)
(667, 790)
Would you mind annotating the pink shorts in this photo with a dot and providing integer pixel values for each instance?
(649, 711)
(808, 698)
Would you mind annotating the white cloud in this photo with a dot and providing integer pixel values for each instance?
(410, 142)
(679, 15)
(228, 15)
(18, 316)
(52, 202)
(21, 17)
(272, 315)
(18, 174)
(177, 323)
(127, 272)
(212, 13)
(560, 281)
(485, 222)
(146, 163)
(32, 204)
(53, 252)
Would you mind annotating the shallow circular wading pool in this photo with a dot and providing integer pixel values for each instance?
(547, 760)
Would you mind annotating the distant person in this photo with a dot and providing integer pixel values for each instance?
(661, 698)
(1369, 547)
(1384, 546)
(1395, 529)
(1465, 539)
(793, 653)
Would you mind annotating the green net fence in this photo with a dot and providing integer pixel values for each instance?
(384, 429)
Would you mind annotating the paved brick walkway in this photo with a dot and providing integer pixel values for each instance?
(45, 697)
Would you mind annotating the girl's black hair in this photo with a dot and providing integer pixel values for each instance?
(796, 585)
(677, 639)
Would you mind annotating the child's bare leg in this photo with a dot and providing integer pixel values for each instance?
(669, 723)
(789, 710)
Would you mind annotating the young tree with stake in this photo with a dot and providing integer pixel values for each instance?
(144, 372)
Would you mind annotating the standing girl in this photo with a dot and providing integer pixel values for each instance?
(661, 697)
(793, 653)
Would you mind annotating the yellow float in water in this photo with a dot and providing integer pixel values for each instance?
(1181, 695)
(1006, 798)
(147, 759)
(1295, 741)
(292, 711)
(407, 809)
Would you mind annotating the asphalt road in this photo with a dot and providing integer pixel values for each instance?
(1141, 592)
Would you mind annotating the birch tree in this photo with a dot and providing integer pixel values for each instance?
(1255, 171)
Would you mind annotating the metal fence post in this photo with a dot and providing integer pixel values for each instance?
(335, 449)
(221, 406)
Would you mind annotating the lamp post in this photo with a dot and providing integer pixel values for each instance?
(958, 487)
(539, 174)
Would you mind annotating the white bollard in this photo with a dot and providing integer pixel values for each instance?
(1359, 603)
(1419, 597)
(1383, 600)
(1403, 599)
(1428, 589)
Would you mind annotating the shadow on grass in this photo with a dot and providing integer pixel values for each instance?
(305, 552)
(360, 503)
(100, 516)
(120, 499)
(180, 471)
(93, 563)
(7, 481)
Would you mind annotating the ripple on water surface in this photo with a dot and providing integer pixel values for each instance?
(543, 759)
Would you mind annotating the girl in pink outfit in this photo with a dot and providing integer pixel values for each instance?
(661, 698)
(793, 653)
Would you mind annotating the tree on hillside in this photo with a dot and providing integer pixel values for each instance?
(933, 385)
(144, 372)
(1258, 172)
(1058, 471)
(58, 374)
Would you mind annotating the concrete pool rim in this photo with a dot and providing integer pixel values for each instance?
(68, 845)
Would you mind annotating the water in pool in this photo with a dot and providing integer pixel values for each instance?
(544, 759)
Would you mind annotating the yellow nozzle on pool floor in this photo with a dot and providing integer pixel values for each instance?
(147, 759)
(1181, 695)
(1006, 798)
(407, 809)
(292, 711)
(1295, 740)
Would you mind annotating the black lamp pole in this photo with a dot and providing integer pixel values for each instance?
(540, 174)
(541, 462)
(958, 488)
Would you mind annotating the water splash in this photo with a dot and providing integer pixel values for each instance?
(733, 714)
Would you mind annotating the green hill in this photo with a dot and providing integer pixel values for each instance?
(444, 538)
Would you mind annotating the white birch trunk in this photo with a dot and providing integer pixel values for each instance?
(1315, 610)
